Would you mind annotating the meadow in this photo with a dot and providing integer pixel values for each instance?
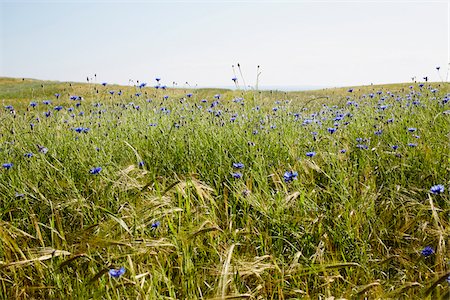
(148, 192)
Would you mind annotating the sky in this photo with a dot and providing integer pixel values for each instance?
(295, 43)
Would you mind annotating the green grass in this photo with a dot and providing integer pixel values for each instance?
(352, 225)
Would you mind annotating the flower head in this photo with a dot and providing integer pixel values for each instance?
(290, 176)
(237, 175)
(238, 165)
(310, 154)
(155, 224)
(437, 189)
(7, 166)
(427, 251)
(331, 130)
(95, 170)
(116, 273)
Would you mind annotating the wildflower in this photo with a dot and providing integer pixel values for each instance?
(58, 108)
(331, 130)
(95, 170)
(394, 147)
(42, 149)
(412, 145)
(237, 175)
(116, 273)
(350, 90)
(378, 132)
(290, 176)
(437, 189)
(310, 154)
(57, 95)
(47, 102)
(155, 224)
(7, 166)
(427, 251)
(234, 79)
(238, 165)
(157, 79)
(343, 151)
(104, 83)
(141, 164)
(28, 155)
(189, 95)
(412, 129)
(47, 114)
(362, 146)
(19, 195)
(33, 104)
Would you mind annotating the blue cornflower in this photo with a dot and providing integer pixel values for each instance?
(47, 113)
(141, 164)
(362, 146)
(104, 83)
(437, 189)
(412, 129)
(157, 79)
(394, 147)
(28, 155)
(290, 176)
(238, 165)
(378, 132)
(427, 251)
(33, 104)
(112, 92)
(95, 170)
(234, 79)
(9, 107)
(142, 85)
(7, 166)
(47, 102)
(156, 224)
(237, 175)
(58, 108)
(189, 95)
(57, 95)
(412, 145)
(310, 154)
(116, 273)
(350, 90)
(343, 151)
(331, 130)
(217, 96)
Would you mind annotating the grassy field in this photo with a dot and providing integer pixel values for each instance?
(150, 193)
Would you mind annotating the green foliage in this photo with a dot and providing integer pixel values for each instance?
(352, 225)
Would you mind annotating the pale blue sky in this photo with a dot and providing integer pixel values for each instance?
(295, 42)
